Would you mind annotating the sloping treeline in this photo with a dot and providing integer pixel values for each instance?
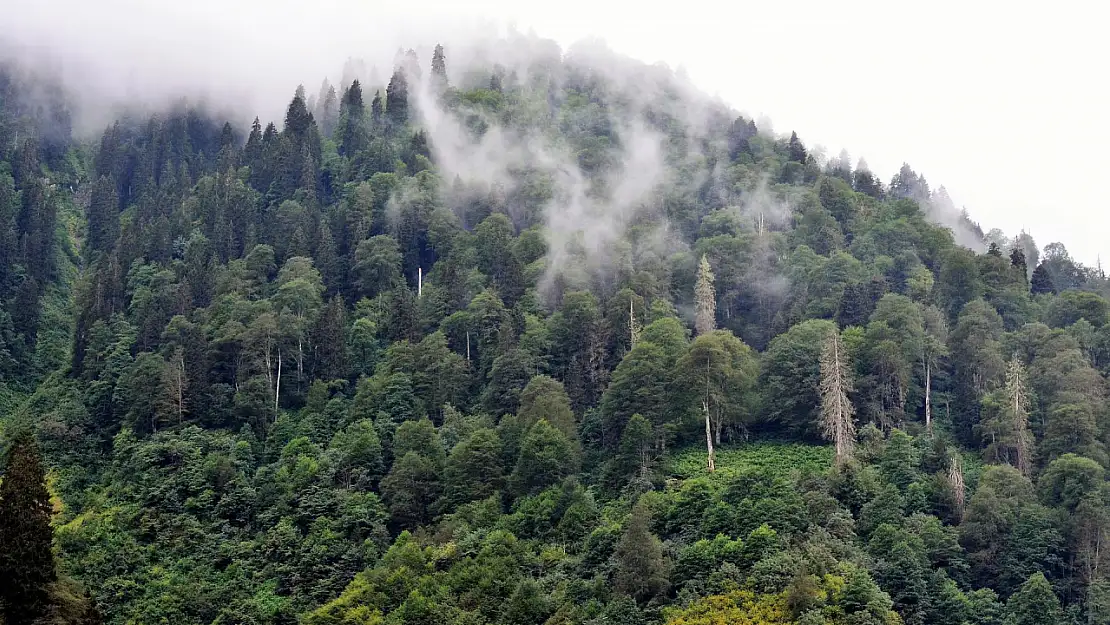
(314, 376)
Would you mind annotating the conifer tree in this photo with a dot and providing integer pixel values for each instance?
(352, 137)
(376, 108)
(397, 99)
(837, 422)
(1041, 282)
(705, 299)
(439, 69)
(797, 149)
(1017, 261)
(103, 218)
(641, 569)
(1007, 427)
(1034, 604)
(26, 559)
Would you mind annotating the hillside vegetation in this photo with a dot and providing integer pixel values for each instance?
(555, 339)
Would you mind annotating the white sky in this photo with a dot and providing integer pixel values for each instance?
(1005, 104)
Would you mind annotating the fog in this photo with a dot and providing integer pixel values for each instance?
(1001, 109)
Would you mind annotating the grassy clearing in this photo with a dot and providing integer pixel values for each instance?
(764, 456)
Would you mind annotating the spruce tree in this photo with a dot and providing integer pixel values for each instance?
(1017, 261)
(103, 218)
(26, 559)
(439, 69)
(1007, 428)
(836, 408)
(797, 149)
(641, 569)
(705, 299)
(1041, 281)
(1034, 604)
(397, 99)
(376, 108)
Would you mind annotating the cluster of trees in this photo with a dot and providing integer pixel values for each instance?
(312, 377)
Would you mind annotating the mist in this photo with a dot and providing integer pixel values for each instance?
(245, 59)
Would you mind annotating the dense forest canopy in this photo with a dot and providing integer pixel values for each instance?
(542, 337)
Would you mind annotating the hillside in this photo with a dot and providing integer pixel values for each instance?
(462, 347)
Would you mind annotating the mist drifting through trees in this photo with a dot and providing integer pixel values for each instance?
(526, 335)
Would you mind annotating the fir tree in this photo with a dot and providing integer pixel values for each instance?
(376, 108)
(1007, 428)
(837, 412)
(439, 69)
(641, 569)
(796, 148)
(397, 99)
(1034, 604)
(705, 299)
(26, 559)
(1017, 261)
(103, 218)
(1042, 282)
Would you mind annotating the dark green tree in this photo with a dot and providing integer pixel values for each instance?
(26, 559)
(397, 99)
(546, 457)
(642, 571)
(1034, 604)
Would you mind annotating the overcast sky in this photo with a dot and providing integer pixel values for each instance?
(1008, 108)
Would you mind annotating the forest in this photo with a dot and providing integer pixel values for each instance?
(542, 336)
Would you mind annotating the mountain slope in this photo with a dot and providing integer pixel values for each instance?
(428, 353)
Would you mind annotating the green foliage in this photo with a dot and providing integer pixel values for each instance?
(772, 457)
(26, 561)
(326, 376)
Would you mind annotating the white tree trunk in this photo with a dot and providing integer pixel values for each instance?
(277, 386)
(709, 438)
(928, 396)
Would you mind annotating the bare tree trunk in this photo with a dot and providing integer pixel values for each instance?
(928, 396)
(300, 359)
(269, 366)
(956, 483)
(708, 428)
(708, 437)
(277, 386)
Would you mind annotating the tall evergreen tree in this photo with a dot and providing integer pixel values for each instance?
(397, 99)
(439, 69)
(103, 218)
(641, 568)
(1006, 427)
(26, 559)
(705, 299)
(1041, 282)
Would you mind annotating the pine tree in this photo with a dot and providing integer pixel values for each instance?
(1017, 261)
(376, 108)
(26, 559)
(103, 218)
(439, 69)
(641, 569)
(797, 149)
(1008, 427)
(837, 422)
(1042, 282)
(397, 99)
(705, 299)
(327, 108)
(1034, 604)
(353, 137)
